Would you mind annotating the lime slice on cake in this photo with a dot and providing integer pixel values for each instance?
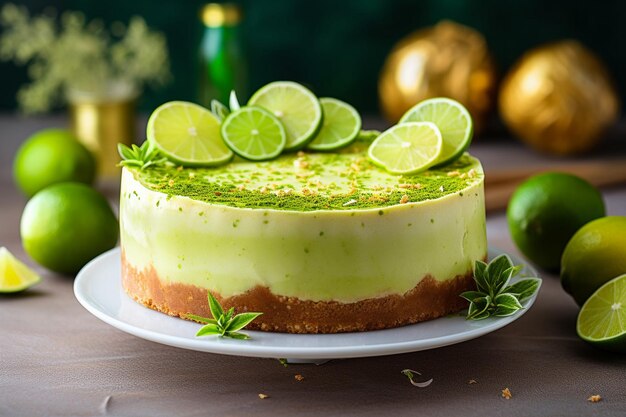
(341, 125)
(254, 133)
(602, 319)
(14, 275)
(452, 119)
(407, 148)
(188, 134)
(295, 106)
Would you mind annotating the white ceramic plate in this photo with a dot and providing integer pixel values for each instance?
(98, 288)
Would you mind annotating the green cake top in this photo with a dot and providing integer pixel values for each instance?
(344, 180)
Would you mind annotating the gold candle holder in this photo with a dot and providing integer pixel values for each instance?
(102, 123)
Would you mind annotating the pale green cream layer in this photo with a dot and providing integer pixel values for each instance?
(346, 255)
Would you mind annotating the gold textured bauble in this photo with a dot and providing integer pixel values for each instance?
(448, 60)
(559, 98)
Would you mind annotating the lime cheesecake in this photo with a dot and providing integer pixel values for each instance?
(317, 242)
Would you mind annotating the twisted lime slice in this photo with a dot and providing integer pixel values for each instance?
(602, 319)
(254, 133)
(14, 275)
(341, 125)
(407, 148)
(295, 106)
(188, 134)
(452, 119)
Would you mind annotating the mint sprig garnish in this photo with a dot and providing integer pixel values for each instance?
(219, 110)
(139, 156)
(410, 373)
(223, 324)
(494, 296)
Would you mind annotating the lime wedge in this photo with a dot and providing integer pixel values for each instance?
(602, 319)
(341, 125)
(295, 106)
(254, 133)
(219, 110)
(188, 134)
(452, 119)
(407, 148)
(14, 275)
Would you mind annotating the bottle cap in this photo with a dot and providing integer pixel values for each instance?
(220, 14)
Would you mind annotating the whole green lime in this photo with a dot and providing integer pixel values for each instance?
(66, 225)
(595, 255)
(545, 212)
(51, 156)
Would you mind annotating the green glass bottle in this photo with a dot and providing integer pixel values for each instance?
(222, 61)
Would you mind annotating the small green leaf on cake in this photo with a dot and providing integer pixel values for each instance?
(223, 324)
(233, 101)
(494, 296)
(140, 157)
(219, 110)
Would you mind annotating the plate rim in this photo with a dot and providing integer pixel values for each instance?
(249, 349)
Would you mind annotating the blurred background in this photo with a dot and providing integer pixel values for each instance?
(338, 47)
(547, 74)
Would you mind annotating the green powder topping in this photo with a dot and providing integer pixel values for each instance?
(346, 180)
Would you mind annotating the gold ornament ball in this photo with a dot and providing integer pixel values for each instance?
(559, 98)
(448, 60)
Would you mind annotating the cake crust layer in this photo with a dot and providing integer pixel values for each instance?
(429, 299)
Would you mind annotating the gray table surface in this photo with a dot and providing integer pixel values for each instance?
(56, 359)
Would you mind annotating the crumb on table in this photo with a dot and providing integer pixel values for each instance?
(594, 398)
(263, 396)
(506, 394)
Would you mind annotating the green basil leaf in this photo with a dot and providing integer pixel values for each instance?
(240, 321)
(503, 311)
(214, 306)
(230, 313)
(480, 277)
(236, 335)
(506, 304)
(200, 319)
(524, 288)
(471, 296)
(495, 271)
(503, 280)
(478, 307)
(209, 329)
(481, 316)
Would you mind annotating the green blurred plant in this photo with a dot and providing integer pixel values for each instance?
(69, 55)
